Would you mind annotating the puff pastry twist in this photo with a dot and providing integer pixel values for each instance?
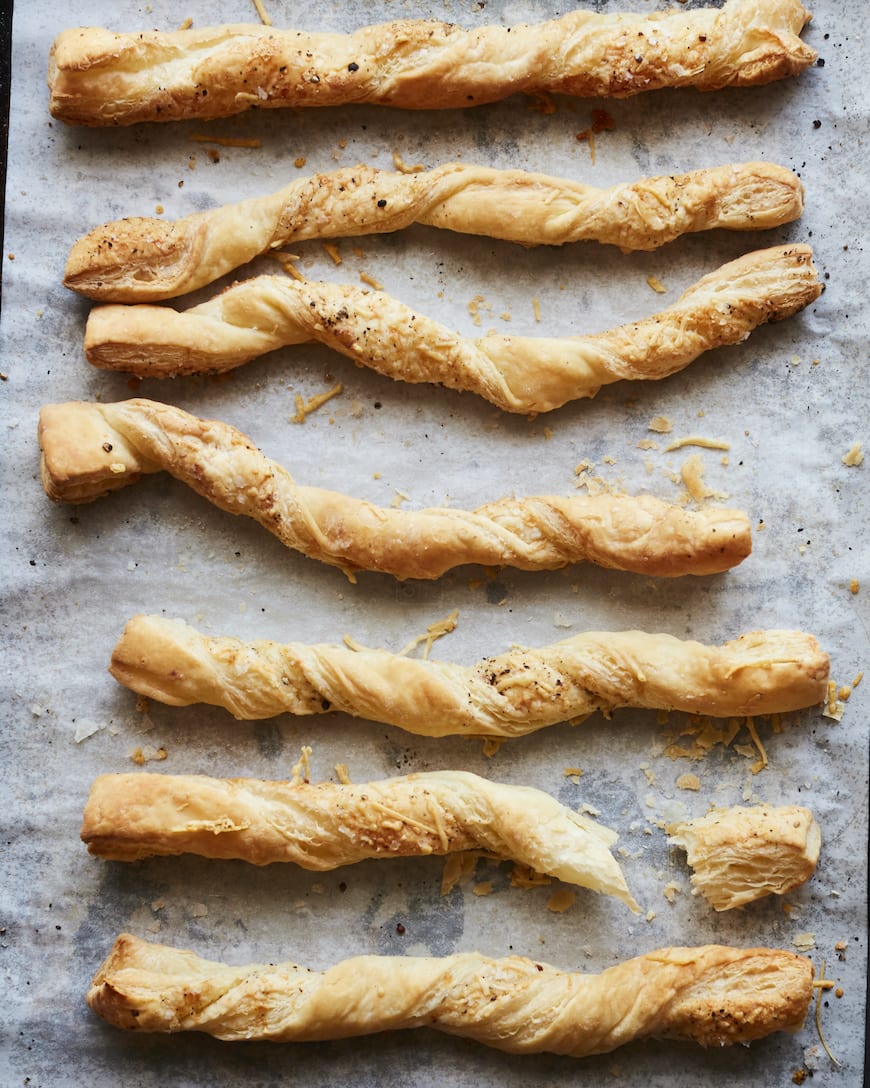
(742, 854)
(97, 77)
(147, 260)
(516, 373)
(324, 826)
(91, 449)
(713, 995)
(519, 692)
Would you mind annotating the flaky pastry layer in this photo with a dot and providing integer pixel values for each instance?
(516, 373)
(97, 77)
(713, 995)
(147, 260)
(89, 449)
(742, 854)
(324, 826)
(516, 693)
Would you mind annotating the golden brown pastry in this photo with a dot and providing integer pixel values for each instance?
(516, 693)
(91, 449)
(516, 373)
(713, 995)
(323, 826)
(147, 260)
(742, 854)
(100, 78)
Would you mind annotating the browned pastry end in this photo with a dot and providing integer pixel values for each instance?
(325, 825)
(148, 260)
(89, 449)
(516, 373)
(97, 77)
(742, 854)
(713, 995)
(516, 693)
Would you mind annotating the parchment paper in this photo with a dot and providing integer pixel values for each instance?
(791, 401)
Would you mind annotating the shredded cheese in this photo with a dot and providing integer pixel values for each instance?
(433, 631)
(370, 281)
(698, 440)
(263, 14)
(756, 740)
(403, 167)
(342, 774)
(305, 407)
(656, 284)
(301, 771)
(332, 251)
(536, 308)
(692, 475)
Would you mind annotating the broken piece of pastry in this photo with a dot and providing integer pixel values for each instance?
(515, 373)
(511, 695)
(325, 825)
(147, 260)
(713, 995)
(89, 449)
(97, 77)
(742, 854)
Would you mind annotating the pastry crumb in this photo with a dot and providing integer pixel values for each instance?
(854, 586)
(854, 456)
(670, 891)
(689, 782)
(148, 754)
(804, 942)
(660, 424)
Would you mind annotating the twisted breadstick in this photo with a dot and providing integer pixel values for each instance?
(516, 693)
(742, 854)
(146, 260)
(713, 995)
(323, 826)
(91, 449)
(516, 373)
(100, 78)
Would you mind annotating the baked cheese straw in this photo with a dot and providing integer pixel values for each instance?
(713, 995)
(89, 449)
(742, 854)
(148, 260)
(97, 77)
(324, 826)
(764, 672)
(515, 373)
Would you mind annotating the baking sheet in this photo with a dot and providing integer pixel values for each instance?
(790, 401)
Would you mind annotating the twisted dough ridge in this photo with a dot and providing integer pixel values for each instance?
(324, 826)
(515, 373)
(100, 78)
(519, 692)
(742, 854)
(713, 995)
(91, 449)
(147, 260)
